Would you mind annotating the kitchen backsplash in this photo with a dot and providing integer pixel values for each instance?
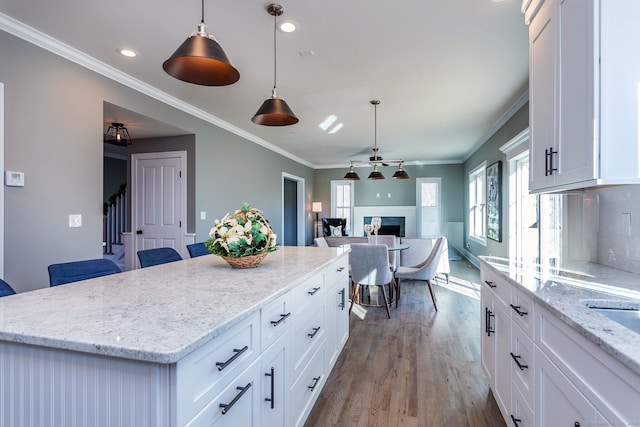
(611, 227)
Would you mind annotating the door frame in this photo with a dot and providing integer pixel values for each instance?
(135, 158)
(2, 235)
(300, 207)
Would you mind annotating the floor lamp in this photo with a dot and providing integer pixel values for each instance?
(317, 208)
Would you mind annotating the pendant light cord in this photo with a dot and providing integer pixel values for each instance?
(202, 19)
(275, 56)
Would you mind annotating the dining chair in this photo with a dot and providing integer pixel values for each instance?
(390, 241)
(5, 289)
(425, 271)
(157, 256)
(74, 271)
(197, 249)
(370, 267)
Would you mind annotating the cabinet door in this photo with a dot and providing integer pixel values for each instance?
(274, 384)
(487, 334)
(337, 321)
(558, 401)
(503, 361)
(543, 60)
(576, 157)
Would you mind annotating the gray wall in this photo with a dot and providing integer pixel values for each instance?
(53, 133)
(403, 192)
(490, 152)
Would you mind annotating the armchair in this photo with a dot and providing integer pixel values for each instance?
(334, 226)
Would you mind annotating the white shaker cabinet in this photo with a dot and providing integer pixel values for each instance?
(583, 88)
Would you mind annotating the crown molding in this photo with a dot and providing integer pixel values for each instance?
(44, 41)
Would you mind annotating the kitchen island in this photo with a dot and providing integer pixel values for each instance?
(168, 345)
(552, 354)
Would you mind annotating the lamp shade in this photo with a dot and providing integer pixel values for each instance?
(201, 60)
(375, 174)
(351, 175)
(401, 173)
(316, 207)
(274, 112)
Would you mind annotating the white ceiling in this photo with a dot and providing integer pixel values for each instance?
(445, 71)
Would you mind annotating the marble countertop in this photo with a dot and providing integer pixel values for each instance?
(566, 293)
(156, 314)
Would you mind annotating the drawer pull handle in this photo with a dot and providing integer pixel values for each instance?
(342, 302)
(490, 283)
(315, 331)
(487, 321)
(516, 421)
(517, 360)
(313, 291)
(340, 269)
(238, 352)
(516, 308)
(316, 380)
(273, 394)
(282, 317)
(227, 406)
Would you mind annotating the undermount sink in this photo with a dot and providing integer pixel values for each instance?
(626, 313)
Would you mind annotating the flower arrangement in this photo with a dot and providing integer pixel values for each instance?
(244, 233)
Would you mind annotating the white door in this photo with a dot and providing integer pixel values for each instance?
(159, 200)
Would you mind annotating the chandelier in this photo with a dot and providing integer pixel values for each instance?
(376, 160)
(117, 134)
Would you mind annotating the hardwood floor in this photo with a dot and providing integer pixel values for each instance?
(419, 368)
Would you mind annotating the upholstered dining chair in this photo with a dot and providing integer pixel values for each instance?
(390, 241)
(157, 256)
(5, 289)
(69, 272)
(197, 249)
(425, 271)
(370, 267)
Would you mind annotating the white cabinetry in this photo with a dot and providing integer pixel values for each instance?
(557, 377)
(582, 85)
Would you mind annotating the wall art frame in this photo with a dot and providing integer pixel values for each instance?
(494, 201)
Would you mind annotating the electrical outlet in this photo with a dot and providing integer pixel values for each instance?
(203, 215)
(75, 220)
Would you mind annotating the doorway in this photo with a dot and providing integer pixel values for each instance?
(293, 212)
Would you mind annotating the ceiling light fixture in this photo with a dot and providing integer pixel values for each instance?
(200, 60)
(375, 160)
(117, 134)
(129, 53)
(288, 26)
(274, 111)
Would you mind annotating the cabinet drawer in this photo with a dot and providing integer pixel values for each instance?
(521, 412)
(337, 270)
(522, 310)
(309, 292)
(275, 319)
(498, 286)
(202, 374)
(305, 339)
(242, 396)
(522, 351)
(305, 390)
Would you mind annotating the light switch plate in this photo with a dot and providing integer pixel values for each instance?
(203, 215)
(75, 220)
(14, 179)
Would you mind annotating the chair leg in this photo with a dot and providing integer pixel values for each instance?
(353, 296)
(397, 290)
(433, 296)
(386, 301)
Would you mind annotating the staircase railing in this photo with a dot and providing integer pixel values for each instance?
(115, 219)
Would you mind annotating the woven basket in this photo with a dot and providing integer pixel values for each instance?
(250, 261)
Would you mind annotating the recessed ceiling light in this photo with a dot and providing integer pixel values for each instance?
(129, 53)
(336, 128)
(287, 26)
(327, 122)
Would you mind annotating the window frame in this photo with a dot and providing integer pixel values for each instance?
(477, 173)
(334, 202)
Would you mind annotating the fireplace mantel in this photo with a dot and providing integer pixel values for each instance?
(408, 212)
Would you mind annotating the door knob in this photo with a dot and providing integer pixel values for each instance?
(139, 232)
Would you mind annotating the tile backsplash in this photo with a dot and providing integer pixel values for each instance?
(611, 227)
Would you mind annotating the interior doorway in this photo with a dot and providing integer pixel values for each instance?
(293, 212)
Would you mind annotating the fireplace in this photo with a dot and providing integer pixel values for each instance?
(391, 225)
(407, 213)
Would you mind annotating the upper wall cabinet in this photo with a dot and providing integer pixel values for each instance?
(584, 87)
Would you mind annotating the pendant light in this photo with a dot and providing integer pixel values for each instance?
(200, 60)
(274, 111)
(117, 134)
(376, 160)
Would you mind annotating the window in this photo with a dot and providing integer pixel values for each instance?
(477, 204)
(342, 202)
(523, 217)
(430, 207)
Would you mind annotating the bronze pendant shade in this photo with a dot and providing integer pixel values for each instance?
(274, 111)
(201, 60)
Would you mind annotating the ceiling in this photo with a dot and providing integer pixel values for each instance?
(445, 71)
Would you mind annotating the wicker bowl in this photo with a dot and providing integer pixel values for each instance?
(250, 261)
